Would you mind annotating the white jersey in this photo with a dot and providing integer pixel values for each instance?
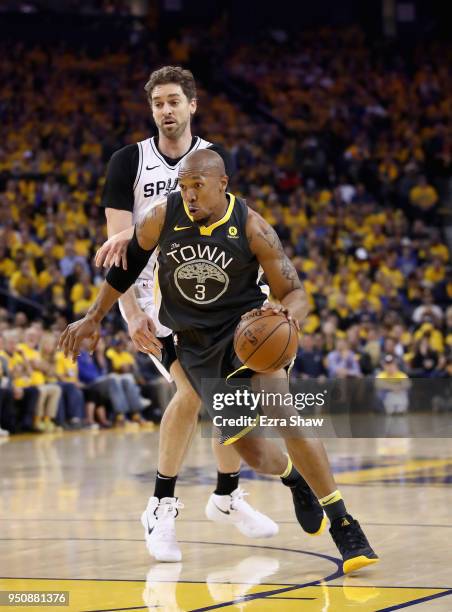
(155, 179)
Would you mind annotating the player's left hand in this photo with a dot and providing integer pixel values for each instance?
(112, 252)
(71, 339)
(276, 309)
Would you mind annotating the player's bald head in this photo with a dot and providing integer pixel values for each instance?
(204, 162)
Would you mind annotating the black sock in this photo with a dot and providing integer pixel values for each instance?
(226, 483)
(333, 505)
(292, 478)
(164, 485)
(335, 510)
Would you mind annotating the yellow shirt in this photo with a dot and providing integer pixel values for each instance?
(392, 382)
(440, 250)
(436, 340)
(44, 279)
(65, 368)
(7, 267)
(30, 354)
(311, 324)
(423, 197)
(82, 306)
(371, 241)
(396, 277)
(119, 358)
(78, 289)
(434, 275)
(22, 381)
(21, 284)
(398, 375)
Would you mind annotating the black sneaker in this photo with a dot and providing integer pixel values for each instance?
(308, 510)
(352, 544)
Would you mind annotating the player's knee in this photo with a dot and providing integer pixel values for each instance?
(187, 400)
(253, 453)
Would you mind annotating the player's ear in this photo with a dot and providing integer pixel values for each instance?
(224, 183)
(193, 106)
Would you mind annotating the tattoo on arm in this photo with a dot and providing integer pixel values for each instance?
(270, 237)
(150, 225)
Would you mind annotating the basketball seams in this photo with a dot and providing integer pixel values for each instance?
(265, 340)
(248, 342)
(252, 320)
(284, 350)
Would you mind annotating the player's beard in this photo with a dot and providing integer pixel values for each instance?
(176, 131)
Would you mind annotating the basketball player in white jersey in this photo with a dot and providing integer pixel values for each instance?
(138, 176)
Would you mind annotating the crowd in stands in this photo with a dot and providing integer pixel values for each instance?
(347, 154)
(44, 391)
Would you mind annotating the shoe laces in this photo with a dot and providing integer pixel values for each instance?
(237, 498)
(351, 536)
(168, 509)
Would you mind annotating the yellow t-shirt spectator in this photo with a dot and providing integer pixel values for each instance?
(434, 274)
(22, 381)
(423, 196)
(398, 375)
(440, 250)
(396, 277)
(7, 267)
(23, 285)
(78, 290)
(31, 354)
(65, 368)
(119, 359)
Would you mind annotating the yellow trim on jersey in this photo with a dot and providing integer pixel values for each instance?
(243, 367)
(241, 433)
(206, 230)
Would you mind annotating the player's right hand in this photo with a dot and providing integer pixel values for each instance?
(112, 252)
(142, 333)
(71, 339)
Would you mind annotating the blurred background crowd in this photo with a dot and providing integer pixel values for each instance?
(342, 143)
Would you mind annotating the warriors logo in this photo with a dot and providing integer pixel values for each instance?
(201, 281)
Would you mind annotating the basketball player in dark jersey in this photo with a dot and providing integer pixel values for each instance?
(207, 279)
(138, 176)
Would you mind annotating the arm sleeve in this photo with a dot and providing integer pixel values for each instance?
(121, 173)
(137, 258)
(229, 163)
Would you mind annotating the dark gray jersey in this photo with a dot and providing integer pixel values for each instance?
(207, 275)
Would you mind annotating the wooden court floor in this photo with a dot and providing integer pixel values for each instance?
(69, 521)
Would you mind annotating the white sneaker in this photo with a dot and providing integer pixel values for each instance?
(233, 509)
(159, 529)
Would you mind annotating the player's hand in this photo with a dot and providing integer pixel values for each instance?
(142, 333)
(71, 339)
(275, 309)
(112, 252)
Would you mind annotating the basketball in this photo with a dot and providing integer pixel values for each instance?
(265, 341)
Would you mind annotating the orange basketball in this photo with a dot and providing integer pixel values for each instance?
(265, 342)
